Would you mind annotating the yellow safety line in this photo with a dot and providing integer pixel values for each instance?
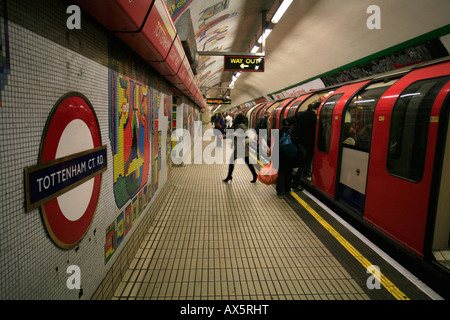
(399, 295)
(259, 162)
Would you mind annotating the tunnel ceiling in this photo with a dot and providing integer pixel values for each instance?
(313, 37)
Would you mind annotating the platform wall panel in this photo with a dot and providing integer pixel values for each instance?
(42, 60)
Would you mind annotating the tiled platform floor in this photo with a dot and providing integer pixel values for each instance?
(213, 240)
(238, 241)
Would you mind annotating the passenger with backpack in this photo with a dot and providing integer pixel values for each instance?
(219, 126)
(287, 154)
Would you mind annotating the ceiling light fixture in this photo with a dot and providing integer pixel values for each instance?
(281, 10)
(255, 49)
(265, 35)
(233, 79)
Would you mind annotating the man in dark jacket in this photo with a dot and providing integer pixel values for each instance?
(286, 163)
(263, 123)
(304, 135)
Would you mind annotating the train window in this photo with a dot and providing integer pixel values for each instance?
(358, 116)
(325, 120)
(409, 128)
(320, 96)
(292, 110)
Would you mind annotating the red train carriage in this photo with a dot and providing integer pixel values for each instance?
(382, 152)
(404, 164)
(327, 138)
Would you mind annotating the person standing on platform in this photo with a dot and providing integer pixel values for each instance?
(219, 125)
(287, 163)
(229, 121)
(262, 124)
(240, 136)
(304, 134)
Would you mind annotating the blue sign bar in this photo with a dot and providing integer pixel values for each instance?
(51, 179)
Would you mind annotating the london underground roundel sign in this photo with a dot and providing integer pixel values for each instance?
(66, 182)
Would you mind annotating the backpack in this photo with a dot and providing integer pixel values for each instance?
(218, 125)
(286, 145)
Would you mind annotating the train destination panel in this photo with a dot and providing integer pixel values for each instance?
(218, 101)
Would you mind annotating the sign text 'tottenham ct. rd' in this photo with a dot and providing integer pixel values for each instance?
(243, 63)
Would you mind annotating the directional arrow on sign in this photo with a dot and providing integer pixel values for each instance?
(243, 63)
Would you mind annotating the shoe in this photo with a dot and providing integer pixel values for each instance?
(227, 179)
(254, 179)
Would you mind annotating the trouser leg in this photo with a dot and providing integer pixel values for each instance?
(298, 175)
(281, 181)
(230, 170)
(251, 167)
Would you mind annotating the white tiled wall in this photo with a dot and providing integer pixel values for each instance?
(41, 61)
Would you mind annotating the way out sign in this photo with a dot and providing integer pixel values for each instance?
(243, 63)
(66, 182)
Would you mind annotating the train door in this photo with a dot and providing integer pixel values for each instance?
(327, 138)
(256, 115)
(290, 112)
(284, 112)
(249, 115)
(440, 225)
(400, 184)
(356, 137)
(277, 113)
(276, 117)
(271, 109)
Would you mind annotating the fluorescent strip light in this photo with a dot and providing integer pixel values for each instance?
(265, 34)
(255, 48)
(281, 10)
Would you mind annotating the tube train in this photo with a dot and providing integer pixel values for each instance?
(396, 178)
